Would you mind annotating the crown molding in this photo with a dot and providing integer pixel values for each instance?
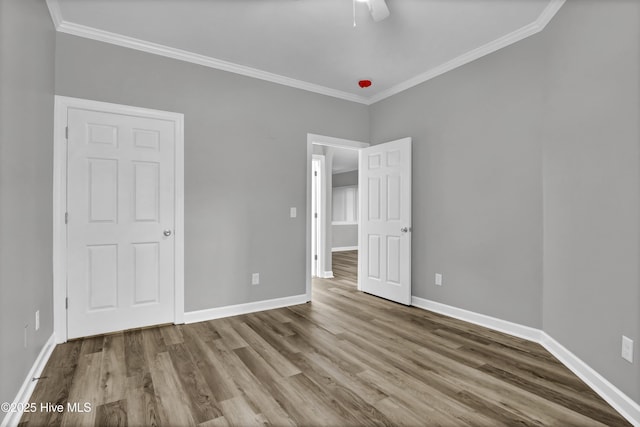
(157, 49)
(528, 30)
(55, 12)
(195, 58)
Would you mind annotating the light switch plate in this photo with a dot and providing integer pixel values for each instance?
(627, 349)
(293, 212)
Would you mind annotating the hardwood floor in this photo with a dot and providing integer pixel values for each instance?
(346, 359)
(345, 267)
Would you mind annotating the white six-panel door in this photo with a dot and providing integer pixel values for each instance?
(384, 258)
(120, 204)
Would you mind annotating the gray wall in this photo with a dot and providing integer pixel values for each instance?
(344, 235)
(245, 161)
(591, 185)
(533, 150)
(26, 147)
(477, 192)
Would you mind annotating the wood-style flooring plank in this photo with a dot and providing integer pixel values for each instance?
(55, 384)
(142, 409)
(261, 398)
(201, 399)
(112, 414)
(113, 369)
(346, 359)
(86, 387)
(210, 366)
(237, 412)
(175, 407)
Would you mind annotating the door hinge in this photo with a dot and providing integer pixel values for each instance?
(66, 303)
(66, 132)
(315, 173)
(315, 257)
(315, 215)
(66, 217)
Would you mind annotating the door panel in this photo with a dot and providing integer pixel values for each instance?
(103, 276)
(393, 259)
(146, 267)
(385, 258)
(120, 199)
(374, 256)
(103, 190)
(374, 198)
(146, 191)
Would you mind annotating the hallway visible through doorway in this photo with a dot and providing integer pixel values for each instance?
(345, 271)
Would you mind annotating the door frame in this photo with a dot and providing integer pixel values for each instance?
(329, 142)
(320, 189)
(62, 105)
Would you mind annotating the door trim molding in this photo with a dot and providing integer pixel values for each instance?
(328, 141)
(320, 236)
(62, 105)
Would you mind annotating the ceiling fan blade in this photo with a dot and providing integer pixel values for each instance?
(378, 9)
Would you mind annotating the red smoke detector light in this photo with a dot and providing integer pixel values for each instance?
(364, 83)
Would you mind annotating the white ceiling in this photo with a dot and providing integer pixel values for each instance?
(312, 44)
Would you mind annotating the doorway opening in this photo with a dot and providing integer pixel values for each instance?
(332, 200)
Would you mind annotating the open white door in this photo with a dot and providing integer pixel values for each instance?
(384, 258)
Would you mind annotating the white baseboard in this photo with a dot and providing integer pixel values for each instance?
(250, 307)
(622, 403)
(515, 329)
(344, 248)
(325, 275)
(12, 419)
(610, 393)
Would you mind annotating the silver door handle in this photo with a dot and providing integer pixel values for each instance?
(167, 233)
(405, 229)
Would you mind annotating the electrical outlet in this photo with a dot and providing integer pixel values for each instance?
(37, 319)
(438, 279)
(293, 212)
(255, 279)
(627, 349)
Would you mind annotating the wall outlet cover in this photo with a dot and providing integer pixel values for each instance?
(255, 279)
(438, 279)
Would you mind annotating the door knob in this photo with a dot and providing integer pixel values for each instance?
(167, 233)
(405, 229)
